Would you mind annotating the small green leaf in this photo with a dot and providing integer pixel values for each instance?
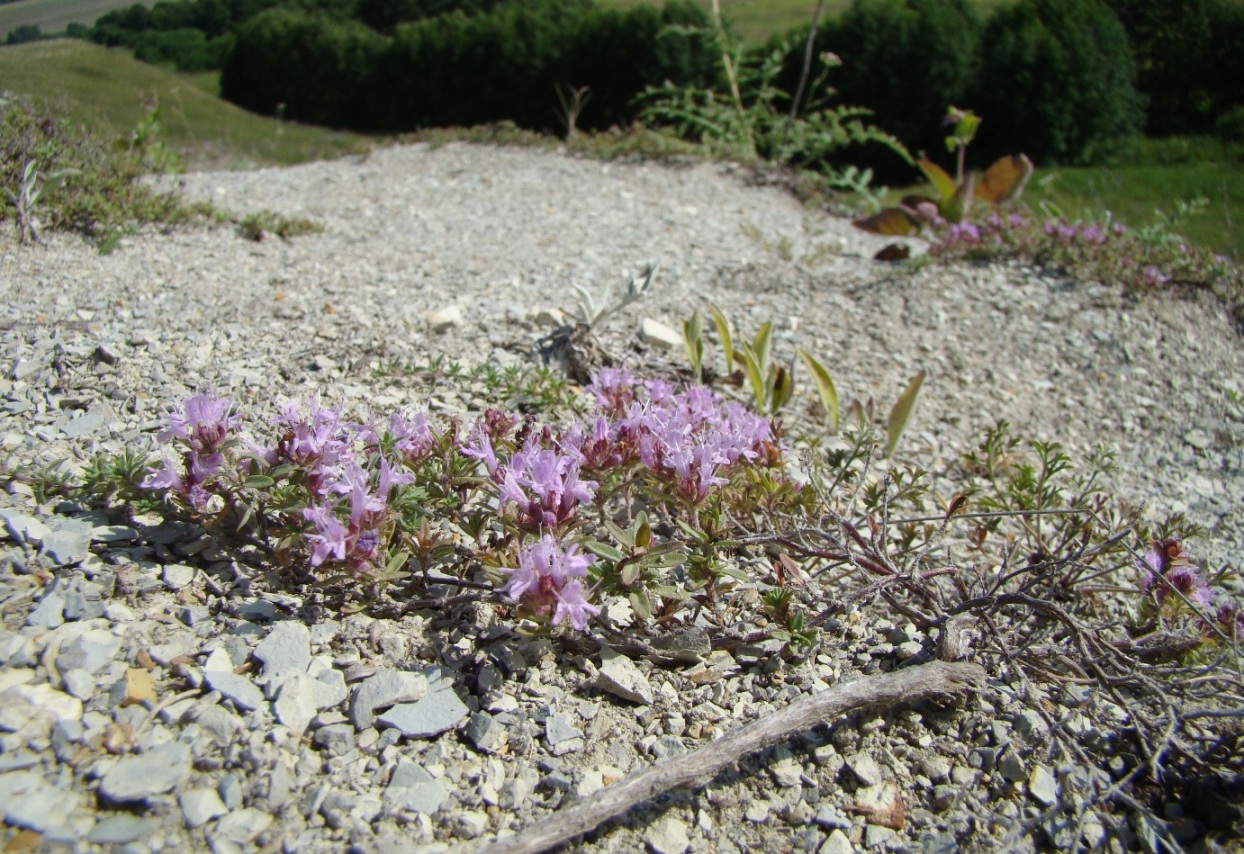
(730, 570)
(396, 562)
(897, 421)
(641, 604)
(762, 344)
(643, 532)
(626, 538)
(258, 481)
(669, 560)
(824, 387)
(751, 366)
(247, 515)
(669, 591)
(723, 333)
(630, 574)
(959, 205)
(604, 550)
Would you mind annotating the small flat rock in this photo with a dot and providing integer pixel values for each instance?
(137, 687)
(22, 528)
(199, 806)
(559, 729)
(486, 733)
(21, 703)
(68, 543)
(412, 788)
(295, 704)
(667, 835)
(787, 773)
(28, 800)
(99, 418)
(136, 778)
(382, 690)
(836, 843)
(619, 676)
(89, 651)
(177, 575)
(436, 713)
(242, 691)
(120, 829)
(286, 650)
(113, 534)
(1011, 767)
(881, 805)
(50, 612)
(1199, 439)
(865, 769)
(656, 334)
(445, 319)
(1042, 786)
(685, 647)
(242, 826)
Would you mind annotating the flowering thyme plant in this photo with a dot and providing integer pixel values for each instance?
(514, 502)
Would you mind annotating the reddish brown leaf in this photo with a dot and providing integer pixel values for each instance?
(891, 221)
(893, 252)
(1005, 179)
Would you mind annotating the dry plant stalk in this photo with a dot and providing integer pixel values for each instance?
(936, 679)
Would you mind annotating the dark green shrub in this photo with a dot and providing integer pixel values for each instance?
(1057, 82)
(24, 34)
(1188, 60)
(307, 67)
(385, 15)
(907, 61)
(188, 49)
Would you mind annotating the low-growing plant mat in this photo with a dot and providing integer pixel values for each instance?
(109, 91)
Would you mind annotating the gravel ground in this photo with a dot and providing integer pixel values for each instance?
(154, 698)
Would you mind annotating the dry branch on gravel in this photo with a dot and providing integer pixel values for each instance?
(936, 679)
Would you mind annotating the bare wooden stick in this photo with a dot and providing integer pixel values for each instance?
(936, 679)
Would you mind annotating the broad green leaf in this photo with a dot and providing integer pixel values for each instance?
(694, 533)
(723, 333)
(626, 538)
(247, 515)
(730, 570)
(643, 531)
(824, 387)
(258, 481)
(782, 388)
(669, 560)
(939, 178)
(897, 421)
(630, 574)
(669, 591)
(604, 550)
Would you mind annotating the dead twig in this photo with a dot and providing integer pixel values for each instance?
(937, 679)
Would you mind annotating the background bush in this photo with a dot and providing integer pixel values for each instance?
(1190, 60)
(1057, 82)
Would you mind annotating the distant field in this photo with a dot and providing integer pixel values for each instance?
(52, 16)
(105, 89)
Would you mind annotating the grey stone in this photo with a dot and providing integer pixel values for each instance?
(470, 824)
(666, 746)
(619, 676)
(136, 778)
(875, 835)
(286, 650)
(194, 615)
(559, 729)
(28, 800)
(50, 612)
(84, 602)
(295, 704)
(239, 689)
(21, 704)
(657, 334)
(100, 418)
(178, 575)
(68, 543)
(199, 806)
(119, 829)
(936, 768)
(836, 843)
(384, 689)
(337, 739)
(25, 529)
(89, 651)
(242, 826)
(230, 790)
(412, 788)
(486, 733)
(1012, 767)
(945, 796)
(439, 711)
(865, 768)
(20, 760)
(78, 683)
(1042, 786)
(280, 787)
(113, 534)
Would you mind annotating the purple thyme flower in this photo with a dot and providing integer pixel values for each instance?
(329, 535)
(1152, 276)
(547, 578)
(204, 425)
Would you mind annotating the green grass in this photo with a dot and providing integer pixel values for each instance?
(757, 20)
(52, 16)
(106, 89)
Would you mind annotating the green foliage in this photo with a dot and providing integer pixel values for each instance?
(1057, 81)
(257, 226)
(23, 34)
(759, 125)
(91, 187)
(906, 60)
(1188, 60)
(305, 66)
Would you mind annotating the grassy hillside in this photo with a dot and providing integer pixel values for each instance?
(107, 90)
(52, 16)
